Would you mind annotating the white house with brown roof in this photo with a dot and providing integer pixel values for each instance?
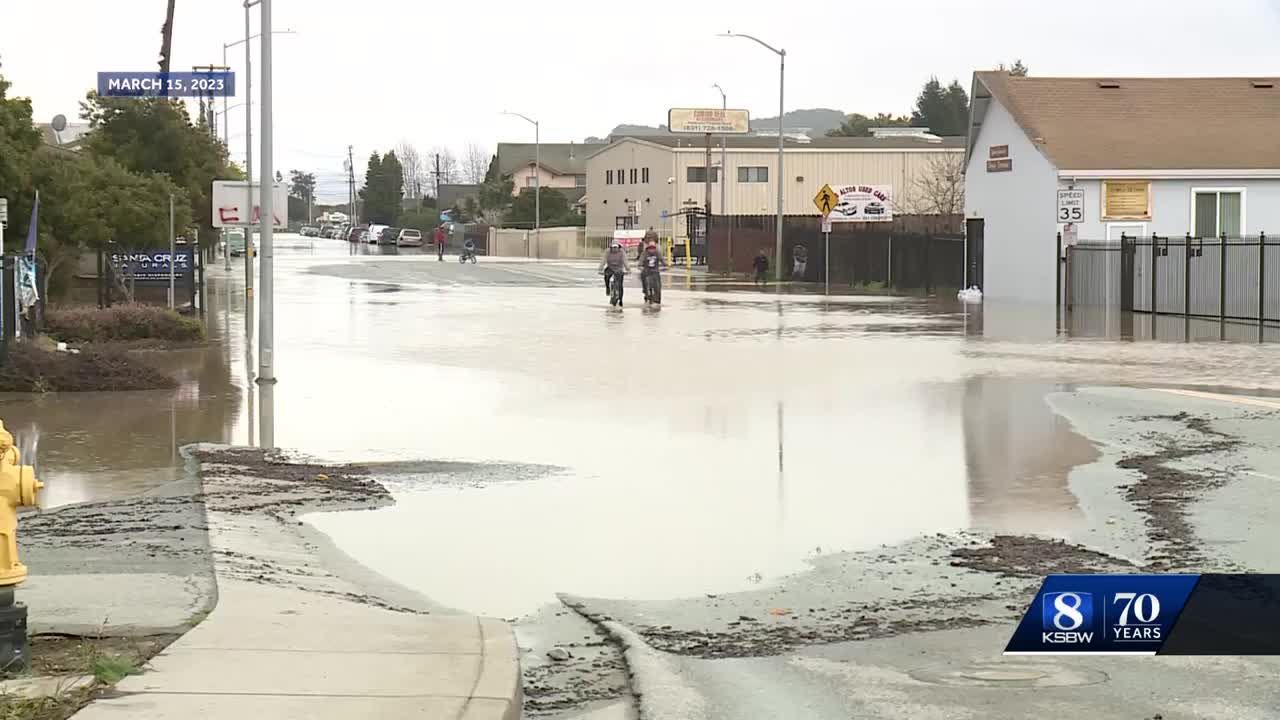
(1165, 156)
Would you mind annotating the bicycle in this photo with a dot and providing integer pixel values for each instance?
(615, 289)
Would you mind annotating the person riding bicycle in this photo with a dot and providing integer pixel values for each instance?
(468, 249)
(614, 263)
(651, 265)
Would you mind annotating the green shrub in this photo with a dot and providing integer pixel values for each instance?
(30, 368)
(121, 323)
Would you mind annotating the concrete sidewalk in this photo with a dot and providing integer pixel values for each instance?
(268, 652)
(298, 633)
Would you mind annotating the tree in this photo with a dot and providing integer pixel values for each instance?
(943, 111)
(555, 209)
(88, 201)
(302, 185)
(939, 190)
(443, 166)
(412, 169)
(383, 189)
(858, 125)
(19, 140)
(495, 195)
(475, 164)
(156, 135)
(1016, 70)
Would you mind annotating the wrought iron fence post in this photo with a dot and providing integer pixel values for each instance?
(1155, 255)
(1222, 279)
(1057, 273)
(1262, 281)
(1186, 278)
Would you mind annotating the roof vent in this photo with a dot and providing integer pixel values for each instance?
(1264, 83)
(1108, 84)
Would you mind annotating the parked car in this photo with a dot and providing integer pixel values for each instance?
(873, 208)
(375, 232)
(235, 242)
(310, 231)
(389, 236)
(409, 237)
(355, 233)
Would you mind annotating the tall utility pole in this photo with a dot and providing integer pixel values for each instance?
(166, 38)
(706, 225)
(782, 71)
(206, 101)
(437, 174)
(724, 181)
(248, 165)
(351, 187)
(537, 176)
(266, 307)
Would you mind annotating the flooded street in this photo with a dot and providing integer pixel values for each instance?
(707, 447)
(733, 452)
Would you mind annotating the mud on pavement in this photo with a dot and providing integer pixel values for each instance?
(945, 581)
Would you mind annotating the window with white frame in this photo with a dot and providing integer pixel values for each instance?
(644, 175)
(608, 177)
(753, 174)
(1217, 211)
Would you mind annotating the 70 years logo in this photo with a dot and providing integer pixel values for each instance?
(1102, 613)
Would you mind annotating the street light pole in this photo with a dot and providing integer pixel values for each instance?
(782, 69)
(724, 181)
(537, 176)
(248, 168)
(266, 339)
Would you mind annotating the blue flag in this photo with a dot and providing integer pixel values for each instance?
(31, 229)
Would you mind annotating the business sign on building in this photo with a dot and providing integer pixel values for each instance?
(862, 203)
(708, 120)
(231, 204)
(153, 265)
(628, 238)
(1126, 200)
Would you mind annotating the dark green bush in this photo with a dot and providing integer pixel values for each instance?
(121, 323)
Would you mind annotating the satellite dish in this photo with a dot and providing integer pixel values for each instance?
(59, 123)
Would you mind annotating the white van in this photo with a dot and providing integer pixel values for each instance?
(409, 237)
(375, 232)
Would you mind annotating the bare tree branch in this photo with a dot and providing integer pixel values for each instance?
(411, 168)
(939, 190)
(475, 164)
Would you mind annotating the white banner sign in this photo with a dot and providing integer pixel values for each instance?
(862, 203)
(230, 204)
(628, 238)
(708, 120)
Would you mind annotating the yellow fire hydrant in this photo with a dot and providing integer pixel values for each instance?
(18, 488)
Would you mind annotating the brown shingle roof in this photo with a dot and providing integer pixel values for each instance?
(1145, 123)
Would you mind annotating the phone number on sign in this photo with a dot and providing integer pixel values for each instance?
(143, 84)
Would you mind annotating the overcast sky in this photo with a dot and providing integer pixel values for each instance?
(377, 72)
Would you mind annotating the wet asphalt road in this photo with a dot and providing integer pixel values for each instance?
(642, 457)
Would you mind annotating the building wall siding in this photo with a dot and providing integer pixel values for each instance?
(1019, 213)
(605, 202)
(1171, 207)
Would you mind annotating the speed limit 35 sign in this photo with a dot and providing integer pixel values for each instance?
(1070, 206)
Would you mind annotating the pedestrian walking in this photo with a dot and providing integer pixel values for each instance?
(800, 261)
(440, 243)
(761, 265)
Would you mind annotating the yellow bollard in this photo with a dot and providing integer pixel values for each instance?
(18, 488)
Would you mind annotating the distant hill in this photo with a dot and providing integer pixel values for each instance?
(817, 120)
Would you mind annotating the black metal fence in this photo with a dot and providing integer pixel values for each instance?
(1219, 278)
(908, 254)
